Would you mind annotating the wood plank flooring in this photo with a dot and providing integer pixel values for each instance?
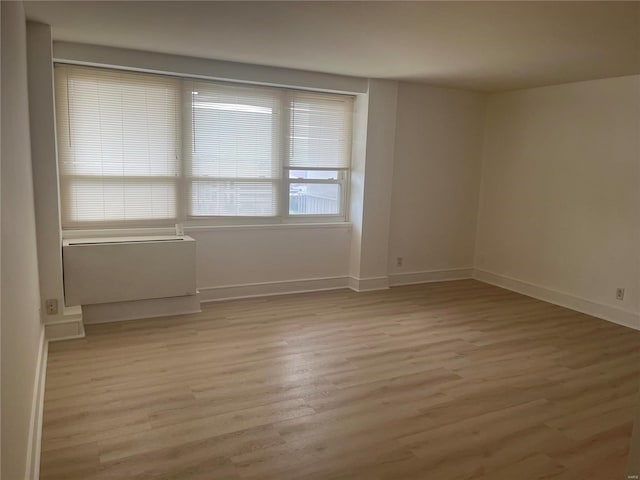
(445, 381)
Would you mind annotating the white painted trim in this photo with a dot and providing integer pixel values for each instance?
(123, 232)
(83, 241)
(606, 312)
(368, 284)
(429, 276)
(32, 471)
(68, 327)
(272, 226)
(266, 289)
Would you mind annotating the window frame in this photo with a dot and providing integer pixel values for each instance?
(342, 181)
(183, 180)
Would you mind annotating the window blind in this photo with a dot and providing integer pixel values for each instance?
(118, 145)
(138, 149)
(320, 131)
(235, 158)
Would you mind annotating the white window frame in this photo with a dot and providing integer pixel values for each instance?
(342, 181)
(184, 181)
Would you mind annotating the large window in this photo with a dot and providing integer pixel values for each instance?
(139, 149)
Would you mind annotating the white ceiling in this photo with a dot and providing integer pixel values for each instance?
(488, 46)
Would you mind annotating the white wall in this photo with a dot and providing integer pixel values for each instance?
(376, 210)
(230, 260)
(45, 168)
(370, 203)
(560, 197)
(21, 327)
(633, 462)
(356, 183)
(0, 261)
(436, 180)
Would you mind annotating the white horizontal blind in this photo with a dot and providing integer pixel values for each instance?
(143, 149)
(235, 157)
(320, 131)
(118, 146)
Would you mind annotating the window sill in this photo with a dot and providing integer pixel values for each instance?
(269, 226)
(74, 234)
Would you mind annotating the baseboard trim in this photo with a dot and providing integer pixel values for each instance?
(70, 326)
(266, 289)
(429, 276)
(368, 284)
(37, 409)
(612, 314)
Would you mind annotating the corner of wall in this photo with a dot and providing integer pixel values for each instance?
(615, 315)
(477, 261)
(45, 166)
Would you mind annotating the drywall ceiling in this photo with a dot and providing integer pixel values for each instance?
(487, 46)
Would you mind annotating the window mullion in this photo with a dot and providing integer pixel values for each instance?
(185, 142)
(286, 153)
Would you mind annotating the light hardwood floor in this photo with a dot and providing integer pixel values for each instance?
(452, 380)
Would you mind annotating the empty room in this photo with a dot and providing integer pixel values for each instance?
(309, 240)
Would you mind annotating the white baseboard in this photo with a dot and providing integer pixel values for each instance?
(429, 276)
(37, 408)
(265, 289)
(368, 284)
(248, 290)
(68, 327)
(137, 309)
(605, 312)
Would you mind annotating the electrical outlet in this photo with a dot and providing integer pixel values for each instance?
(399, 262)
(619, 293)
(52, 306)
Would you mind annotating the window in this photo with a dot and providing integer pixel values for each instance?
(235, 162)
(319, 154)
(118, 146)
(140, 149)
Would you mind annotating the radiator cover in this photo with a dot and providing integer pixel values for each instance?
(122, 269)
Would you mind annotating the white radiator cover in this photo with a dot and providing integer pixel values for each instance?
(122, 269)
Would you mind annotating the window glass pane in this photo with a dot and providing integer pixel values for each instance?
(320, 130)
(117, 124)
(115, 130)
(234, 198)
(314, 199)
(119, 200)
(128, 141)
(315, 174)
(235, 132)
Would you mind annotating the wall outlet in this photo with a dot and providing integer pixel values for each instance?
(398, 261)
(52, 306)
(619, 293)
